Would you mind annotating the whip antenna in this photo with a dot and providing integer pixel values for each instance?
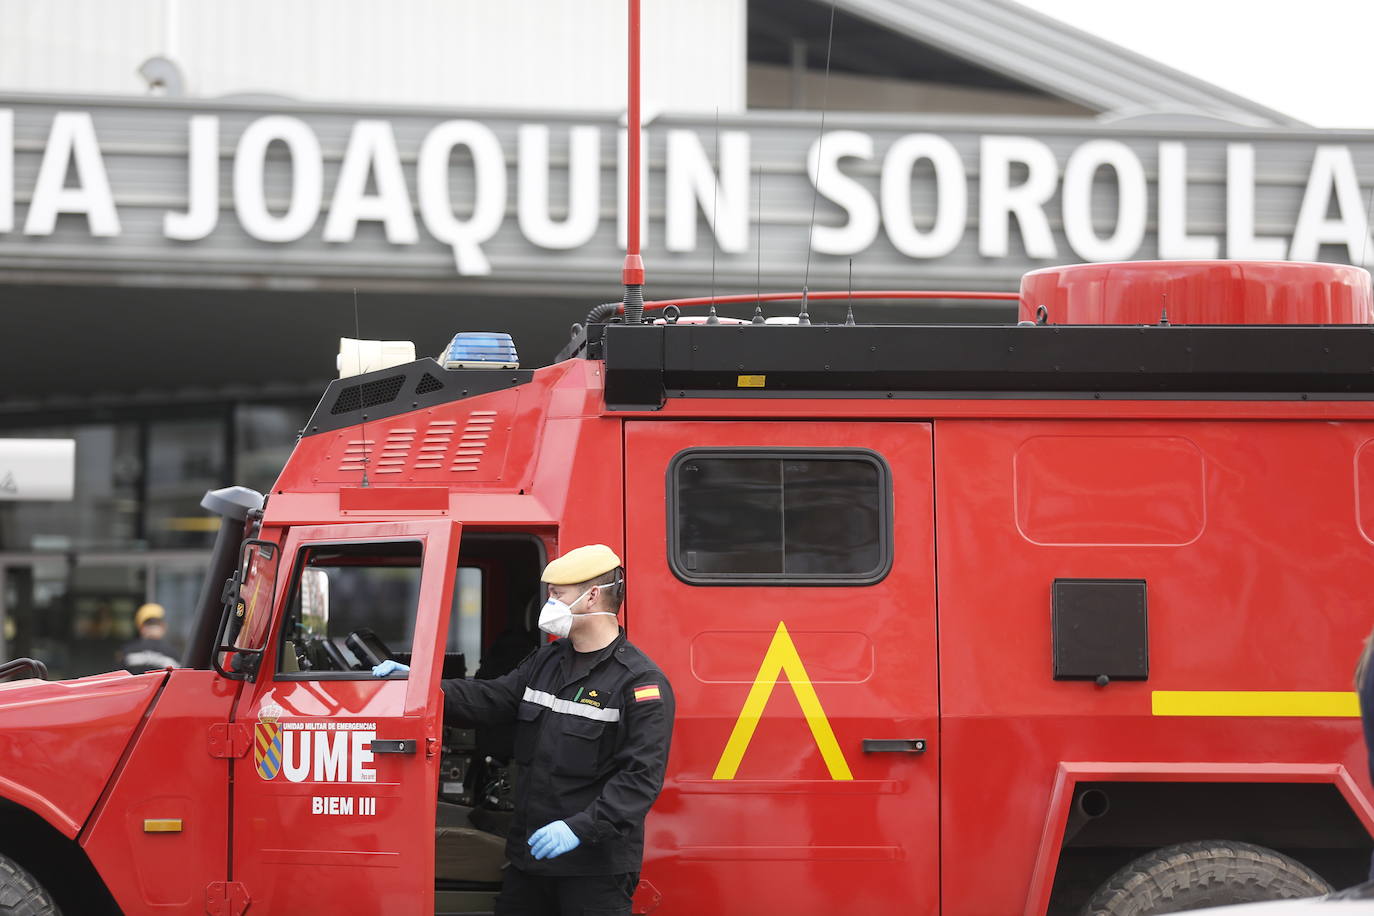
(632, 274)
(1364, 247)
(758, 268)
(820, 140)
(849, 317)
(362, 424)
(715, 203)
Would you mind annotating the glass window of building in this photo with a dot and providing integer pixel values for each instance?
(73, 573)
(185, 458)
(264, 435)
(103, 513)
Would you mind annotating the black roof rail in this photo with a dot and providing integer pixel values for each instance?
(647, 364)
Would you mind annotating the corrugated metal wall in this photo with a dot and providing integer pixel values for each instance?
(78, 45)
(560, 54)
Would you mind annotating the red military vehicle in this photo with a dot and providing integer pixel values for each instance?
(961, 620)
(980, 621)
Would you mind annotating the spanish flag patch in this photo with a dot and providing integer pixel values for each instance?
(647, 692)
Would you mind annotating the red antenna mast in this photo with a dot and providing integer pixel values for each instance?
(632, 275)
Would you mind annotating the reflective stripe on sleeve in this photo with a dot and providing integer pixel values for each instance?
(568, 707)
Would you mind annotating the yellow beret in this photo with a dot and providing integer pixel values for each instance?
(581, 564)
(148, 612)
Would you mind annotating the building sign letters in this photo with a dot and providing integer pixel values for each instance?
(1011, 181)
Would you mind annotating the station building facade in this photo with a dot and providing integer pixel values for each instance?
(198, 200)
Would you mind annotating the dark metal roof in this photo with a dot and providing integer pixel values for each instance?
(1060, 60)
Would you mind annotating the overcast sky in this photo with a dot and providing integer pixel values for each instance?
(1309, 59)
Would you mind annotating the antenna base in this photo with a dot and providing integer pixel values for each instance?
(632, 274)
(634, 303)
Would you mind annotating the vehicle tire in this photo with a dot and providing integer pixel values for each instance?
(1191, 876)
(21, 894)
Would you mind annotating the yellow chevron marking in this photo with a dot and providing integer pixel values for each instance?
(782, 658)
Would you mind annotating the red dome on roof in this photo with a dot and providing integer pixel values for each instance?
(1200, 292)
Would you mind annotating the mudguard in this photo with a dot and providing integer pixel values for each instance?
(61, 740)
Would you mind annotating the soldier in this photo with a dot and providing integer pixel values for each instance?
(593, 716)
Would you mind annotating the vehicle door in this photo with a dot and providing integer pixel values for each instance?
(334, 805)
(782, 574)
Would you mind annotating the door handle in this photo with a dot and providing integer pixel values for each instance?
(394, 747)
(899, 745)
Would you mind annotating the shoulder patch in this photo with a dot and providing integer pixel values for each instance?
(646, 692)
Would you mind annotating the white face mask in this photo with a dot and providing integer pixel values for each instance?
(556, 617)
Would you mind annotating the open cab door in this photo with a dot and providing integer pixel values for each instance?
(333, 803)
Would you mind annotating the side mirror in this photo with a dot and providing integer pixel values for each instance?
(247, 611)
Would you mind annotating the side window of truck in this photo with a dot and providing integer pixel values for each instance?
(464, 647)
(351, 606)
(496, 600)
(780, 516)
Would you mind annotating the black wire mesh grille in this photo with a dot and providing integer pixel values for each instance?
(369, 394)
(427, 384)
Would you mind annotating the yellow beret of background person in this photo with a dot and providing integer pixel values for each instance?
(148, 612)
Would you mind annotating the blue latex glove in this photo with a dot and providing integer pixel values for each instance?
(388, 667)
(553, 840)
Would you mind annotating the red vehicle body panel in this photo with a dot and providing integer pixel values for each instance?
(169, 774)
(61, 741)
(786, 832)
(1070, 774)
(301, 860)
(1258, 568)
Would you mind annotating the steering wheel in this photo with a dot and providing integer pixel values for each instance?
(368, 647)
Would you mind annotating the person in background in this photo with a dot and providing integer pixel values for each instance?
(150, 651)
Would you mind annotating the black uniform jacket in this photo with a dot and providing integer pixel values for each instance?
(140, 655)
(592, 751)
(1365, 691)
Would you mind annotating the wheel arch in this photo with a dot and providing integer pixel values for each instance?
(12, 793)
(57, 861)
(1103, 815)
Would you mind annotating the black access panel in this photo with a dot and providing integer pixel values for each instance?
(1101, 630)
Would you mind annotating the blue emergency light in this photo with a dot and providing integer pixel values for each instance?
(480, 350)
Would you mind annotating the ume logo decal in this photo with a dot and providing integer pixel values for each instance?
(315, 751)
